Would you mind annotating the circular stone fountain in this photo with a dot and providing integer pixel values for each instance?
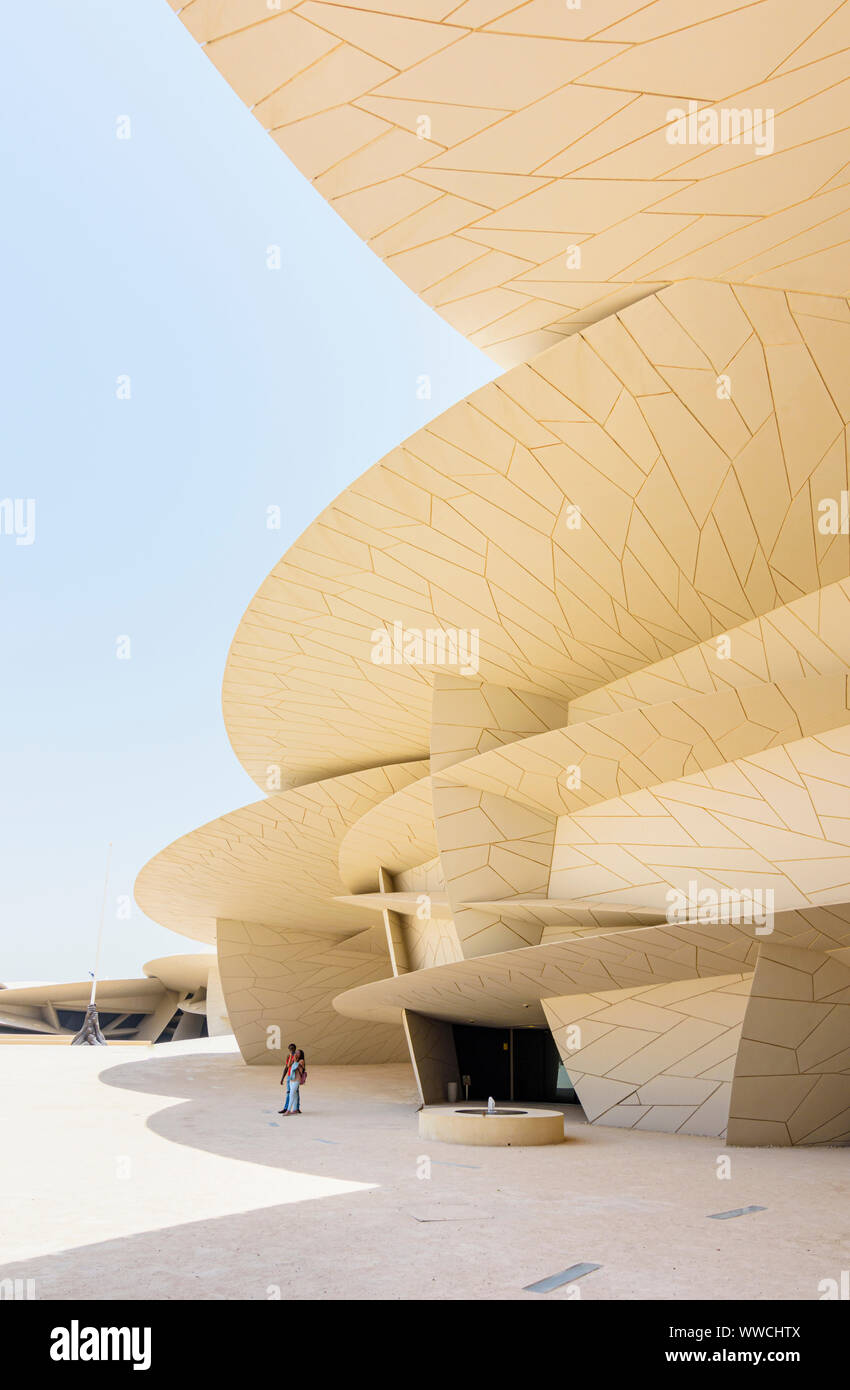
(494, 1126)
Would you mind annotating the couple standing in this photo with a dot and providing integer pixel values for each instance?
(294, 1076)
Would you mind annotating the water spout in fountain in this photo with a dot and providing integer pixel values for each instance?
(491, 1106)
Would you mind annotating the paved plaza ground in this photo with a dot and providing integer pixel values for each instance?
(166, 1172)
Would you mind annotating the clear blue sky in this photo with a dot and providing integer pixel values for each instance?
(249, 388)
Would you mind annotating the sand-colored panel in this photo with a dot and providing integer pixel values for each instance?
(567, 140)
(792, 1074)
(579, 536)
(278, 985)
(433, 1056)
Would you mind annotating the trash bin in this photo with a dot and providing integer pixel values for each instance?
(452, 1092)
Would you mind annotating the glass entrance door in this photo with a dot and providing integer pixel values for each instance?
(511, 1064)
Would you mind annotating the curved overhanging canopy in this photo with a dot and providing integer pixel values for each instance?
(131, 996)
(395, 835)
(505, 989)
(597, 513)
(183, 974)
(274, 862)
(530, 169)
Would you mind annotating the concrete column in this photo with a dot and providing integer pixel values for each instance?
(432, 1053)
(156, 1023)
(188, 1026)
(396, 944)
(218, 1024)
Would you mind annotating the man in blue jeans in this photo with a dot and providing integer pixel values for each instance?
(290, 1058)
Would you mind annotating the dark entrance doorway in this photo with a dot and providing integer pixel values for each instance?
(484, 1055)
(511, 1064)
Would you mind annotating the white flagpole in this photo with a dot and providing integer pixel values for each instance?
(100, 928)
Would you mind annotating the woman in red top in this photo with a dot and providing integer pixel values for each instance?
(297, 1077)
(290, 1057)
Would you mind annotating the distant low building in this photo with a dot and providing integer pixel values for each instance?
(177, 997)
